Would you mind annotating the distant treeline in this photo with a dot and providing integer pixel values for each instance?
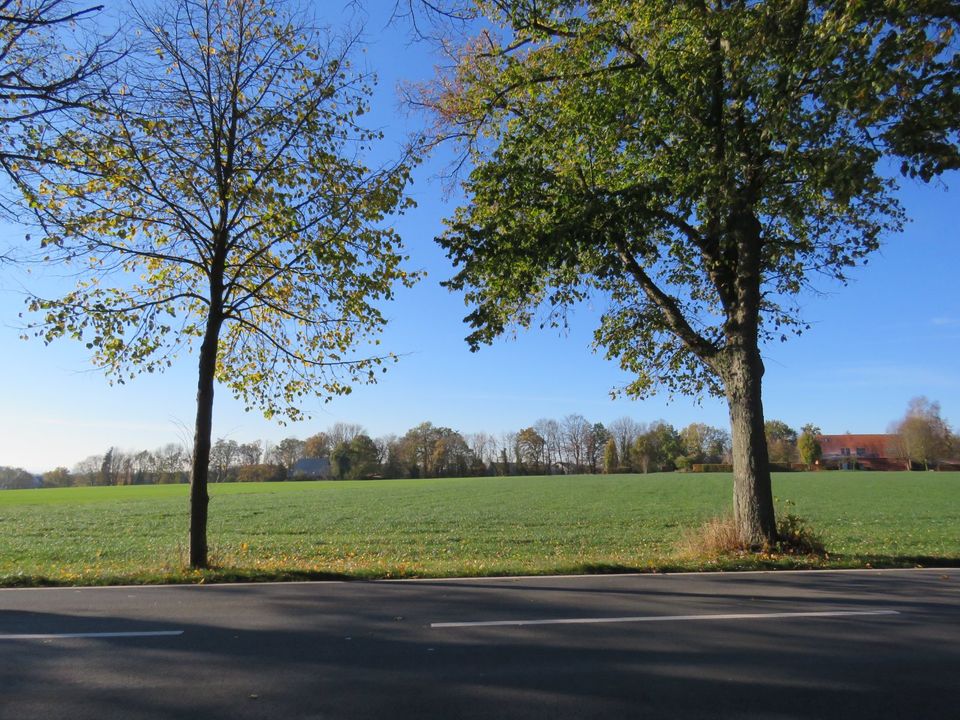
(570, 445)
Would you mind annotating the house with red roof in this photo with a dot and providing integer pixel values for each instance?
(864, 452)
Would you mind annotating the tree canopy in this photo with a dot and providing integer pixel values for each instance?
(51, 60)
(924, 436)
(694, 166)
(228, 153)
(219, 196)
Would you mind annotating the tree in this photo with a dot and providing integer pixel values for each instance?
(924, 435)
(416, 449)
(596, 442)
(317, 446)
(625, 431)
(808, 446)
(658, 447)
(220, 199)
(341, 460)
(576, 439)
(12, 478)
(172, 463)
(510, 445)
(391, 464)
(249, 453)
(451, 455)
(341, 432)
(642, 453)
(531, 448)
(107, 469)
(87, 471)
(781, 441)
(483, 448)
(50, 59)
(779, 430)
(430, 451)
(287, 452)
(224, 455)
(364, 456)
(503, 468)
(696, 164)
(704, 443)
(552, 450)
(611, 458)
(58, 477)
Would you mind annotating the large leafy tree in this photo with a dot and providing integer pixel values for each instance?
(431, 451)
(694, 164)
(220, 199)
(808, 446)
(924, 436)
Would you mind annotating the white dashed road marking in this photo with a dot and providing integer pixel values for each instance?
(665, 618)
(61, 636)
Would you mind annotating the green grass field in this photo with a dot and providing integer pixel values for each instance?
(472, 526)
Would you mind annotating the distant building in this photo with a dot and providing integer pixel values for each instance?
(311, 469)
(864, 452)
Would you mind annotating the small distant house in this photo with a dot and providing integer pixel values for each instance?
(864, 452)
(311, 469)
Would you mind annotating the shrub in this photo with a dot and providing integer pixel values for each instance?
(261, 473)
(718, 538)
(715, 538)
(796, 537)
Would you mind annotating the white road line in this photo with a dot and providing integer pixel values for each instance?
(59, 636)
(663, 618)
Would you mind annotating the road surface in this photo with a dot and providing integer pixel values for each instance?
(867, 644)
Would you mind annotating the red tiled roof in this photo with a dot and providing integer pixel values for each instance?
(869, 446)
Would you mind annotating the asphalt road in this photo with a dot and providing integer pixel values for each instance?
(845, 645)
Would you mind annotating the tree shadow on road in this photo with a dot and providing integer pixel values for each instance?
(315, 653)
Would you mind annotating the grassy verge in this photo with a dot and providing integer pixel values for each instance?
(460, 527)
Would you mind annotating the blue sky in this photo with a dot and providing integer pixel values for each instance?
(892, 334)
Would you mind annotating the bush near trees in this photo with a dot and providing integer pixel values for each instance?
(260, 472)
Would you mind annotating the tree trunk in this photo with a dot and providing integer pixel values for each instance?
(203, 429)
(752, 492)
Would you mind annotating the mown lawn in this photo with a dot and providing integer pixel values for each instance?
(472, 526)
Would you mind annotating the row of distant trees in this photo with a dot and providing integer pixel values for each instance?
(572, 444)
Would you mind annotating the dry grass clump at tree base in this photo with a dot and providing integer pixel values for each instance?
(718, 538)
